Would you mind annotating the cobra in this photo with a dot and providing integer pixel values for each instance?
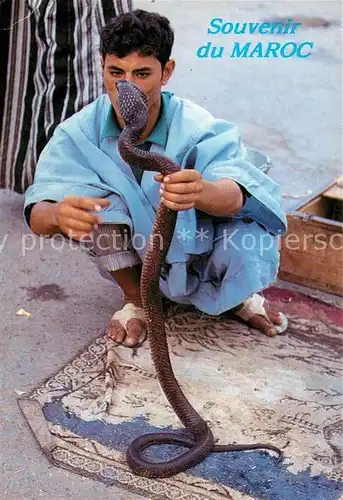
(196, 436)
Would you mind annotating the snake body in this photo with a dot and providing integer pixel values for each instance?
(197, 436)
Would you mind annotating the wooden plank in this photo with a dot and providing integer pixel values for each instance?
(335, 192)
(311, 253)
(317, 206)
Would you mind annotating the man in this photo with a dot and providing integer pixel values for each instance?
(224, 248)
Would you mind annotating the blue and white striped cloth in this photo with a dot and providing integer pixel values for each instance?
(51, 51)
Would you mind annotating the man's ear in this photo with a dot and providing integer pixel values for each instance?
(102, 60)
(168, 71)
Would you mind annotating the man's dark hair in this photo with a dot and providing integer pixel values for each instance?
(147, 33)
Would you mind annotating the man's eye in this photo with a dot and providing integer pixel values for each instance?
(115, 73)
(142, 75)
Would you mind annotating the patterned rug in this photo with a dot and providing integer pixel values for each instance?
(250, 388)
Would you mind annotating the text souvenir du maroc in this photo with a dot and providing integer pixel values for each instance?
(283, 49)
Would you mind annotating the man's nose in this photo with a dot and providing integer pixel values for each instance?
(128, 77)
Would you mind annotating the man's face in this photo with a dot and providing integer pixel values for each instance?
(144, 71)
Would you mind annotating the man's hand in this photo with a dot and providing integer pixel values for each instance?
(181, 190)
(72, 215)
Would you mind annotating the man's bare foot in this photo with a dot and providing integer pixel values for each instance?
(129, 327)
(260, 314)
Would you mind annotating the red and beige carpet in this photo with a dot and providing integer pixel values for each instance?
(250, 388)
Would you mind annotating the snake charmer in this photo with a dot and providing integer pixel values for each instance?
(224, 251)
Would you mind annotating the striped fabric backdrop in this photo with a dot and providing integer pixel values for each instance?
(51, 51)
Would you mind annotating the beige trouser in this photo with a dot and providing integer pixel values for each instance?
(111, 248)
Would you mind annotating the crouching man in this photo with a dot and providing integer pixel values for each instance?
(225, 246)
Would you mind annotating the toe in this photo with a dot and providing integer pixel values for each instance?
(270, 323)
(116, 332)
(263, 325)
(273, 314)
(135, 328)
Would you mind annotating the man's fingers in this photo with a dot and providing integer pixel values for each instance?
(183, 187)
(180, 199)
(158, 177)
(68, 211)
(184, 175)
(86, 203)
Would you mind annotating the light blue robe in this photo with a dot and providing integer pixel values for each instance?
(213, 263)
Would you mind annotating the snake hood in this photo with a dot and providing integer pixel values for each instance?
(132, 104)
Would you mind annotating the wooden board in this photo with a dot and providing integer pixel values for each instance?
(335, 192)
(311, 252)
(317, 206)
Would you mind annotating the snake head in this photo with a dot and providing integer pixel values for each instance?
(132, 104)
